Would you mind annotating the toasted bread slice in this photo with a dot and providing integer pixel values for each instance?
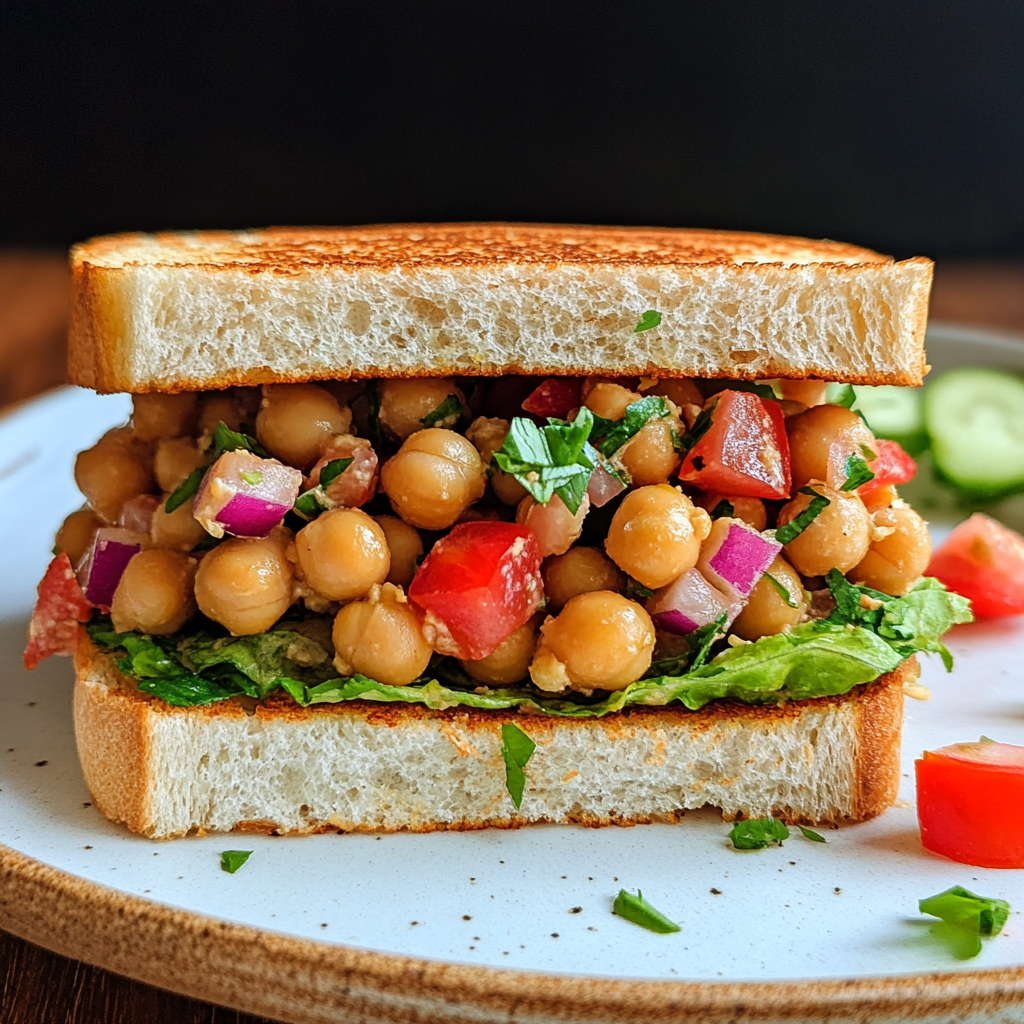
(173, 312)
(278, 767)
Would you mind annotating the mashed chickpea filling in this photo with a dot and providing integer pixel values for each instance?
(567, 546)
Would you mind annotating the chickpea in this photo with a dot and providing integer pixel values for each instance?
(750, 510)
(405, 403)
(554, 526)
(76, 532)
(296, 420)
(115, 469)
(177, 530)
(380, 637)
(580, 570)
(246, 585)
(174, 460)
(837, 539)
(343, 553)
(650, 456)
(436, 475)
(808, 393)
(821, 439)
(767, 612)
(509, 661)
(598, 641)
(227, 407)
(155, 593)
(488, 434)
(896, 560)
(610, 400)
(406, 547)
(156, 416)
(655, 534)
(680, 392)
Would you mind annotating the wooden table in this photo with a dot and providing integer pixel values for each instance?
(42, 988)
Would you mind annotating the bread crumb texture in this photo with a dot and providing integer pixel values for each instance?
(167, 771)
(171, 312)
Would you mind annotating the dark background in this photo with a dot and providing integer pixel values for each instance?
(899, 125)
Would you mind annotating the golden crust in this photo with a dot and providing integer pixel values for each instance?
(116, 771)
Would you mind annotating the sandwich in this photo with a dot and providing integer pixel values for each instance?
(453, 526)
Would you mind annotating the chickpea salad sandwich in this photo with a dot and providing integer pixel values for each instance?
(449, 526)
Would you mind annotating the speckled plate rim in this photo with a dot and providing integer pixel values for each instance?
(299, 980)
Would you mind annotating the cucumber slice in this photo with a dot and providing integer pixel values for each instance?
(894, 413)
(975, 418)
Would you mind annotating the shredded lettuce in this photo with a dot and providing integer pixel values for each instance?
(828, 657)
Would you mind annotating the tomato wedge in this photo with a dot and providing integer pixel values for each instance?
(891, 466)
(61, 606)
(744, 452)
(970, 803)
(557, 397)
(984, 561)
(477, 586)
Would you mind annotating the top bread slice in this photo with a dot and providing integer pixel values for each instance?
(189, 311)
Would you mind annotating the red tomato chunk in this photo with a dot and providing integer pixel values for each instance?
(61, 606)
(744, 452)
(984, 561)
(555, 397)
(970, 803)
(477, 586)
(891, 466)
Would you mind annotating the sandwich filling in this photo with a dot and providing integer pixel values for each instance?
(568, 546)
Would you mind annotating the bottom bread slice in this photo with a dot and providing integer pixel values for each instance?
(278, 767)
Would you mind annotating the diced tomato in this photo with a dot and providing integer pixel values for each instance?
(477, 586)
(61, 606)
(891, 466)
(984, 561)
(557, 396)
(744, 452)
(970, 803)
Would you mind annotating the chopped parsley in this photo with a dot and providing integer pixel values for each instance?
(185, 490)
(782, 590)
(232, 860)
(723, 510)
(967, 918)
(758, 834)
(608, 436)
(857, 473)
(549, 460)
(809, 833)
(516, 750)
(844, 396)
(333, 470)
(227, 440)
(799, 523)
(449, 409)
(650, 318)
(637, 910)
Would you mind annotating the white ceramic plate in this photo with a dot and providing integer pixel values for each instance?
(537, 899)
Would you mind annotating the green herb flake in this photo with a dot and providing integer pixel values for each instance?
(185, 490)
(843, 395)
(253, 478)
(637, 910)
(758, 834)
(333, 470)
(609, 436)
(724, 510)
(636, 591)
(799, 523)
(549, 460)
(967, 917)
(227, 440)
(781, 588)
(516, 749)
(857, 473)
(310, 504)
(651, 318)
(232, 860)
(449, 409)
(809, 833)
(701, 425)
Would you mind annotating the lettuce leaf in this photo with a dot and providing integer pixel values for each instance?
(859, 642)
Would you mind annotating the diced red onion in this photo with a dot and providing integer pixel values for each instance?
(358, 483)
(248, 505)
(104, 563)
(603, 486)
(137, 513)
(690, 602)
(735, 556)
